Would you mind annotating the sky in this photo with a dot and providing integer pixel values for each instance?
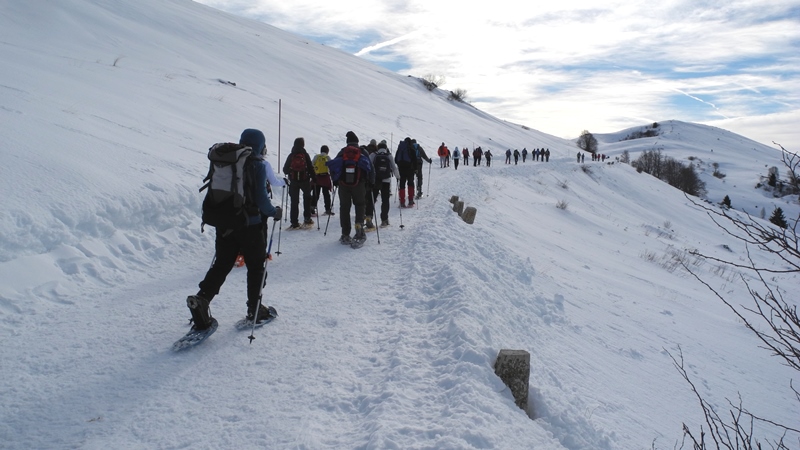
(568, 66)
(108, 111)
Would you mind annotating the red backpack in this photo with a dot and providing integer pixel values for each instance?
(298, 166)
(351, 175)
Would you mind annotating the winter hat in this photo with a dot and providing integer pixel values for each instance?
(382, 144)
(324, 149)
(373, 142)
(254, 139)
(299, 143)
(351, 138)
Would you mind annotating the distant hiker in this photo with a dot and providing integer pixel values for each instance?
(385, 170)
(249, 238)
(301, 175)
(547, 155)
(407, 165)
(351, 171)
(442, 152)
(456, 157)
(579, 156)
(420, 156)
(508, 156)
(516, 156)
(583, 157)
(476, 157)
(488, 156)
(524, 154)
(466, 156)
(323, 181)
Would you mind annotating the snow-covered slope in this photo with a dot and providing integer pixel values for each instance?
(108, 109)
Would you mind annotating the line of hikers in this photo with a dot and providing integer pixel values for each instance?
(537, 153)
(361, 174)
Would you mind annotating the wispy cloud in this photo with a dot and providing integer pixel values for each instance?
(577, 63)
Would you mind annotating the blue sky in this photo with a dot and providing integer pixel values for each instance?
(574, 65)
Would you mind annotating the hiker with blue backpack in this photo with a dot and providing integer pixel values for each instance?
(351, 172)
(407, 165)
(240, 219)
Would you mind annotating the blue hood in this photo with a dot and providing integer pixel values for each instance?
(254, 139)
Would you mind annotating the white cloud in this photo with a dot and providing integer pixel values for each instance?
(565, 66)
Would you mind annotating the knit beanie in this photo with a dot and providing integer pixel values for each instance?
(351, 138)
(373, 142)
(382, 144)
(324, 149)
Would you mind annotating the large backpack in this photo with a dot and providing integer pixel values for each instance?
(319, 164)
(298, 167)
(351, 175)
(224, 206)
(383, 166)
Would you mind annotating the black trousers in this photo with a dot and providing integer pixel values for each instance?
(251, 243)
(295, 188)
(385, 191)
(351, 196)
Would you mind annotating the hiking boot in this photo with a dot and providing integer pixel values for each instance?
(198, 306)
(330, 213)
(360, 234)
(369, 224)
(308, 222)
(263, 314)
(384, 223)
(402, 203)
(294, 226)
(345, 239)
(411, 203)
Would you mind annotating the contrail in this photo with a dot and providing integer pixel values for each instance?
(387, 43)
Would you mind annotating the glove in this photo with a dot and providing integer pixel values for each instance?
(286, 181)
(278, 214)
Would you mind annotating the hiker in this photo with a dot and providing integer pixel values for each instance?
(547, 155)
(250, 239)
(442, 152)
(508, 156)
(516, 156)
(420, 156)
(488, 155)
(351, 172)
(524, 154)
(323, 181)
(476, 157)
(456, 157)
(407, 166)
(301, 175)
(466, 156)
(385, 170)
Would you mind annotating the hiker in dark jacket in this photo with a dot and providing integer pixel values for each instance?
(250, 241)
(421, 156)
(300, 172)
(407, 165)
(384, 186)
(476, 157)
(352, 195)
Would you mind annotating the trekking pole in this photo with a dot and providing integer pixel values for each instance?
(374, 214)
(429, 180)
(263, 283)
(333, 200)
(401, 208)
(317, 191)
(278, 252)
